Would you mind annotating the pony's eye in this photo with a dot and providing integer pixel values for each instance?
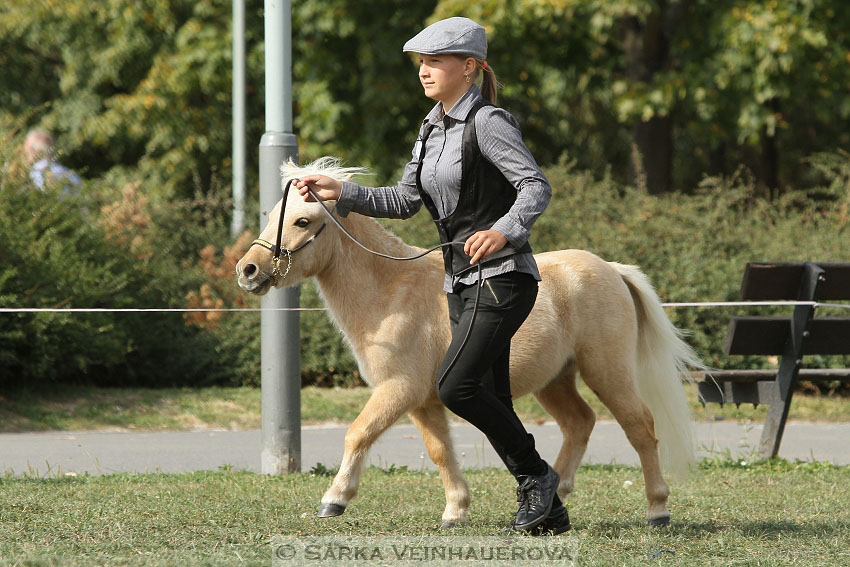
(302, 222)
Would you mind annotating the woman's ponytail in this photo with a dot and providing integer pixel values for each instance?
(489, 85)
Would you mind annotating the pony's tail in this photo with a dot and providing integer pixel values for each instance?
(662, 366)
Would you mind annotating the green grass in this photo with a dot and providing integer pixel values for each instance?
(85, 408)
(768, 513)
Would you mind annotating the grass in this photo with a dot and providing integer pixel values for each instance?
(731, 513)
(87, 408)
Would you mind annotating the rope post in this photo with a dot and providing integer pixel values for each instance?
(280, 339)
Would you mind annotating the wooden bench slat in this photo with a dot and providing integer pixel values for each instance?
(768, 374)
(768, 335)
(765, 281)
(738, 393)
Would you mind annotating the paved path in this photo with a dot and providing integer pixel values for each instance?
(48, 454)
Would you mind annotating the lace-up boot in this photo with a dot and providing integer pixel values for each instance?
(556, 523)
(535, 494)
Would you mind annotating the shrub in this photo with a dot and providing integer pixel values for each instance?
(63, 252)
(111, 248)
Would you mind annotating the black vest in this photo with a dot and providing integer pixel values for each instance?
(485, 197)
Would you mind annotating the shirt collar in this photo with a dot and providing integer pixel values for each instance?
(460, 109)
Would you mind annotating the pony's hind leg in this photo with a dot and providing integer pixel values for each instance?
(612, 379)
(389, 400)
(431, 421)
(575, 418)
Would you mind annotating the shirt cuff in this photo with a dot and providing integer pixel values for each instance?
(516, 234)
(347, 198)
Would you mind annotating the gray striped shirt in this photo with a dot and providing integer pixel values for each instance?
(501, 143)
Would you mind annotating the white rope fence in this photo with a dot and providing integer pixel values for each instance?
(755, 304)
(260, 309)
(152, 310)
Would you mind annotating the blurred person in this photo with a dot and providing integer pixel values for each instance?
(45, 170)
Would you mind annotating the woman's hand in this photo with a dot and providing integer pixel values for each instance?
(483, 243)
(326, 188)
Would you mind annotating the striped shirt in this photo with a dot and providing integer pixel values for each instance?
(500, 142)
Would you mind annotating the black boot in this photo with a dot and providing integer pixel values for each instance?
(556, 523)
(535, 494)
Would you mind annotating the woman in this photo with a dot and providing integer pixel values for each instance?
(468, 163)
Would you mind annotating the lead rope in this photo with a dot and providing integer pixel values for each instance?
(399, 258)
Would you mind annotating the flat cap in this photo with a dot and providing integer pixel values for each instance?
(453, 35)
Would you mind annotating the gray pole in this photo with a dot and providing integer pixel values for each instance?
(237, 225)
(281, 341)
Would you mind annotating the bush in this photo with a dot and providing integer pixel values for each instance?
(65, 252)
(111, 248)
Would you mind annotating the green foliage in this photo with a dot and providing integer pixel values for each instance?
(145, 88)
(320, 469)
(61, 252)
(129, 85)
(356, 94)
(138, 95)
(67, 253)
(733, 75)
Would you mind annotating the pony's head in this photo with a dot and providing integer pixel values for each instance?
(304, 238)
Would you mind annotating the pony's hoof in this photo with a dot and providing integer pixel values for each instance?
(330, 510)
(447, 524)
(659, 522)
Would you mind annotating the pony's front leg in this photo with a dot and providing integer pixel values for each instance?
(431, 421)
(387, 403)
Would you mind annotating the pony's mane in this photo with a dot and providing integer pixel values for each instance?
(327, 165)
(376, 236)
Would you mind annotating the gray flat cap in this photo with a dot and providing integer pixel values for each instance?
(453, 35)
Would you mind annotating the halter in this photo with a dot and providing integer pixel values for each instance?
(277, 250)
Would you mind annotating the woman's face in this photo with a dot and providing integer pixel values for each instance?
(442, 77)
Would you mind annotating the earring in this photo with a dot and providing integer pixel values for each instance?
(467, 78)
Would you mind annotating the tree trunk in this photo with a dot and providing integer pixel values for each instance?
(647, 49)
(770, 156)
(654, 140)
(717, 159)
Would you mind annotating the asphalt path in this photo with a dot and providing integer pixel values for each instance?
(62, 452)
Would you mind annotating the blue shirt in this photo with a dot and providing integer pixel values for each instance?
(500, 142)
(51, 172)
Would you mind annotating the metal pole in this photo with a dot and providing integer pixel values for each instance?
(280, 342)
(237, 225)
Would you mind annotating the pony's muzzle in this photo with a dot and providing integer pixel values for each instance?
(251, 277)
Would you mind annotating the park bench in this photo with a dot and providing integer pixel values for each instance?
(791, 338)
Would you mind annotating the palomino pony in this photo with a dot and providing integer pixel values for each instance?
(600, 319)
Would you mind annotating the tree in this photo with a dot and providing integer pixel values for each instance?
(140, 90)
(695, 85)
(357, 94)
(126, 85)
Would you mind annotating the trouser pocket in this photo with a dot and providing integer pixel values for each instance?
(493, 291)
